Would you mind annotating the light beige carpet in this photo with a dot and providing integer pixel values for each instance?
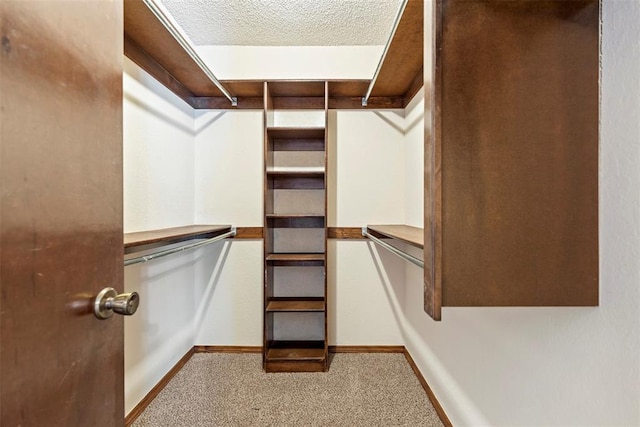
(231, 390)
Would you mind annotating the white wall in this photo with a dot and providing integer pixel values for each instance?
(158, 193)
(228, 187)
(366, 161)
(158, 154)
(556, 366)
(291, 62)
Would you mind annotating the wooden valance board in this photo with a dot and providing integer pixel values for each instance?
(511, 159)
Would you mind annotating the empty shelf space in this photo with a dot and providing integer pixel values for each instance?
(144, 240)
(295, 181)
(414, 236)
(296, 304)
(296, 351)
(299, 133)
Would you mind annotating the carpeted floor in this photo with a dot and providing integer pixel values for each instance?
(215, 389)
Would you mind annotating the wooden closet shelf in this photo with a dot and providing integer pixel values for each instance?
(406, 233)
(152, 47)
(295, 259)
(296, 304)
(144, 240)
(296, 170)
(296, 173)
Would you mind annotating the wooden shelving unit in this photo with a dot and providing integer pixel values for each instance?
(151, 46)
(295, 240)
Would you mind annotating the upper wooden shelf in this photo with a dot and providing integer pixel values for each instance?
(406, 233)
(151, 46)
(144, 240)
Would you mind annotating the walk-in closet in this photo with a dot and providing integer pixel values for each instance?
(363, 212)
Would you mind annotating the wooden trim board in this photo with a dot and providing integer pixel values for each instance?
(142, 405)
(432, 397)
(227, 349)
(249, 233)
(366, 349)
(345, 233)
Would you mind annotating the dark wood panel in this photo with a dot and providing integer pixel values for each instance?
(405, 233)
(245, 88)
(404, 59)
(141, 26)
(375, 102)
(153, 393)
(351, 102)
(348, 88)
(519, 140)
(61, 210)
(222, 103)
(143, 240)
(414, 87)
(298, 356)
(249, 233)
(345, 233)
(298, 102)
(151, 66)
(297, 88)
(433, 174)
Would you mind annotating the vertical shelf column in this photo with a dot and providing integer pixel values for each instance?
(295, 238)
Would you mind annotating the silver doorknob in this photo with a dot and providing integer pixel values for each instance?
(109, 301)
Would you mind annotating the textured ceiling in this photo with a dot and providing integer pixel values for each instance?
(285, 22)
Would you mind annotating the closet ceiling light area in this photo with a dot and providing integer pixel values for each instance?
(381, 39)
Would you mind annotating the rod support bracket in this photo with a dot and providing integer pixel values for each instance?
(364, 231)
(234, 101)
(234, 231)
(364, 101)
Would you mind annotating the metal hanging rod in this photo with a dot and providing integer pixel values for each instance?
(164, 20)
(365, 99)
(394, 250)
(166, 252)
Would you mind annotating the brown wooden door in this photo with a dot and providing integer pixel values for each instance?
(61, 212)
